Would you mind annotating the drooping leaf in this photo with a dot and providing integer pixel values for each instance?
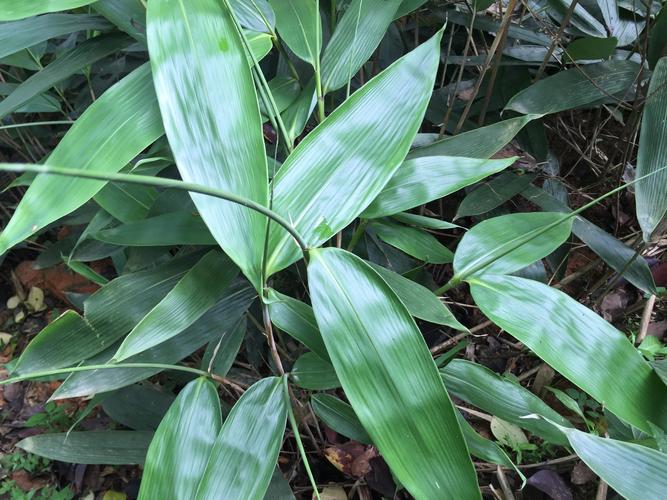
(314, 373)
(339, 416)
(429, 178)
(20, 9)
(484, 448)
(573, 88)
(423, 221)
(492, 194)
(491, 246)
(357, 35)
(139, 407)
(415, 242)
(299, 24)
(196, 292)
(651, 193)
(199, 68)
(91, 447)
(246, 449)
(341, 166)
(577, 343)
(112, 131)
(179, 451)
(389, 376)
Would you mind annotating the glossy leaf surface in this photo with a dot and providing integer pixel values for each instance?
(298, 23)
(19, 9)
(339, 416)
(415, 242)
(312, 372)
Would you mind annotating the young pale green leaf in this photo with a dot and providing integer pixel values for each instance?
(199, 68)
(342, 165)
(20, 9)
(139, 407)
(112, 131)
(501, 397)
(634, 471)
(577, 343)
(339, 416)
(297, 320)
(179, 451)
(175, 228)
(64, 66)
(425, 179)
(299, 25)
(25, 33)
(651, 193)
(313, 373)
(420, 301)
(415, 242)
(505, 244)
(389, 376)
(93, 447)
(357, 35)
(246, 449)
(196, 292)
(481, 142)
(581, 86)
(484, 448)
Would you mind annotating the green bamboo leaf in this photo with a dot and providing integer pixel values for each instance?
(195, 293)
(139, 407)
(651, 193)
(341, 166)
(425, 179)
(62, 67)
(256, 15)
(573, 88)
(246, 449)
(408, 6)
(20, 9)
(128, 15)
(297, 320)
(299, 24)
(222, 351)
(43, 103)
(216, 323)
(657, 40)
(481, 142)
(339, 416)
(389, 376)
(501, 397)
(126, 202)
(17, 35)
(112, 131)
(314, 373)
(285, 90)
(358, 33)
(200, 67)
(415, 242)
(92, 447)
(488, 248)
(419, 300)
(175, 228)
(577, 343)
(484, 448)
(179, 451)
(279, 488)
(634, 471)
(494, 193)
(423, 221)
(296, 116)
(591, 47)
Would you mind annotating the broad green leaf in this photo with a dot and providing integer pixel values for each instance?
(43, 103)
(634, 471)
(358, 33)
(419, 300)
(139, 407)
(339, 416)
(484, 448)
(481, 142)
(614, 252)
(573, 88)
(299, 25)
(17, 35)
(199, 68)
(507, 433)
(651, 193)
(179, 451)
(112, 131)
(577, 343)
(501, 397)
(492, 194)
(92, 447)
(297, 320)
(284, 90)
(126, 202)
(175, 228)
(591, 48)
(425, 179)
(128, 15)
(246, 449)
(408, 6)
(312, 372)
(296, 116)
(389, 376)
(279, 488)
(657, 40)
(491, 246)
(19, 9)
(219, 321)
(422, 221)
(342, 165)
(222, 351)
(492, 25)
(415, 242)
(256, 15)
(196, 292)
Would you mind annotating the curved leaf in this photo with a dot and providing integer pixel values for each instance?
(577, 343)
(337, 170)
(389, 376)
(299, 24)
(139, 407)
(415, 242)
(200, 68)
(19, 9)
(339, 416)
(256, 15)
(179, 451)
(312, 372)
